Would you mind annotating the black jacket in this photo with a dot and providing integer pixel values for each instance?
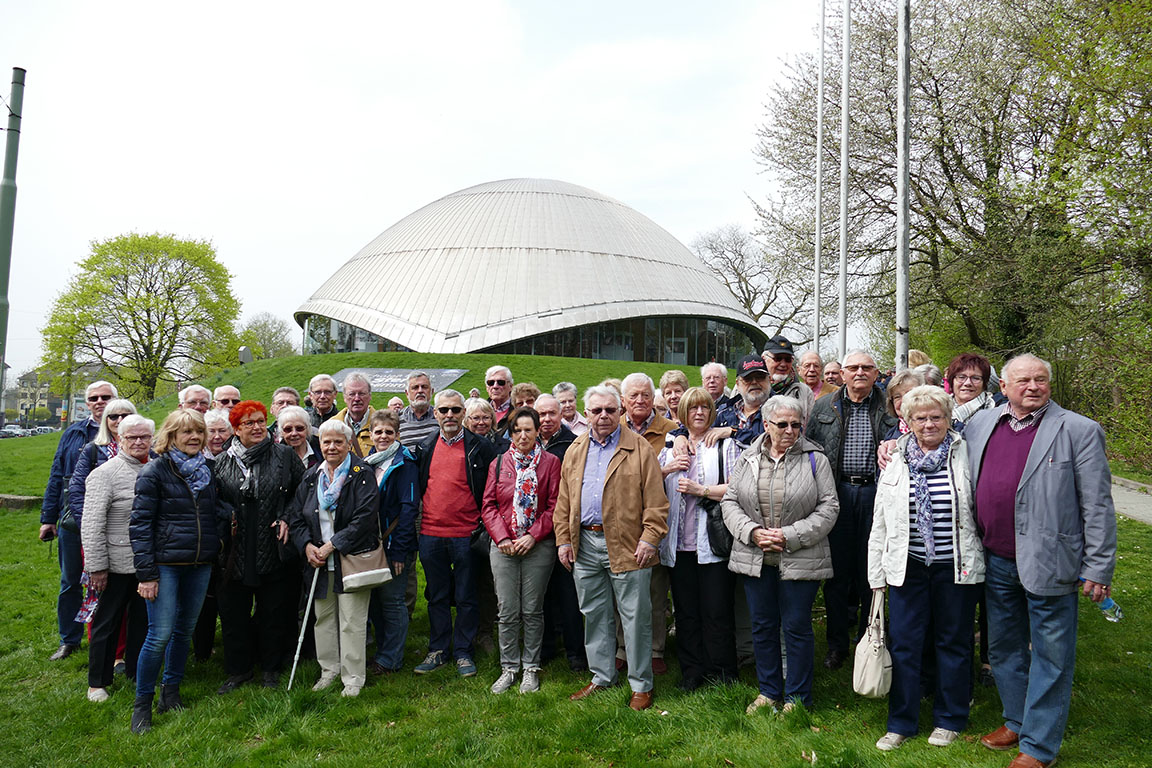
(275, 473)
(169, 525)
(826, 424)
(558, 445)
(479, 452)
(355, 522)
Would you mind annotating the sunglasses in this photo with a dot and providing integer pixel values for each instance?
(446, 409)
(98, 398)
(786, 424)
(496, 382)
(293, 429)
(611, 410)
(781, 358)
(229, 401)
(116, 416)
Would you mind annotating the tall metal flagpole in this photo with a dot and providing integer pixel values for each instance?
(846, 46)
(8, 209)
(903, 123)
(819, 189)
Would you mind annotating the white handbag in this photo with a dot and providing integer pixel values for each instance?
(872, 672)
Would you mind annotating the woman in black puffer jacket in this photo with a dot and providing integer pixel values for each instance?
(177, 525)
(258, 479)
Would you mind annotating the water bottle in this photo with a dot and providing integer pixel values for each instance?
(1111, 609)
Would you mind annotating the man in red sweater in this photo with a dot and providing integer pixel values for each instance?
(453, 469)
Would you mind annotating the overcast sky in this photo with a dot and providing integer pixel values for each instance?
(290, 135)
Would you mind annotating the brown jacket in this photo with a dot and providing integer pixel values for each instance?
(657, 431)
(633, 504)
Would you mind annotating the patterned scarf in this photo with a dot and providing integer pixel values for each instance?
(962, 413)
(779, 387)
(524, 498)
(328, 491)
(920, 465)
(112, 449)
(377, 458)
(194, 469)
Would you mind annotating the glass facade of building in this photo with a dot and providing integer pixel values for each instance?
(676, 340)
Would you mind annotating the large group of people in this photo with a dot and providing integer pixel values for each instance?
(538, 521)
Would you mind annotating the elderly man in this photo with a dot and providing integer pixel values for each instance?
(72, 442)
(714, 379)
(743, 421)
(417, 422)
(778, 356)
(565, 393)
(1044, 510)
(610, 518)
(554, 435)
(281, 399)
(498, 380)
(358, 411)
(225, 397)
(850, 425)
(322, 391)
(453, 466)
(812, 374)
(195, 398)
(832, 374)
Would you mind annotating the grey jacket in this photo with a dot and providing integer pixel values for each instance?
(1065, 521)
(108, 499)
(891, 520)
(810, 510)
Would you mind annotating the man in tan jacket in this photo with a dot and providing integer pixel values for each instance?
(609, 520)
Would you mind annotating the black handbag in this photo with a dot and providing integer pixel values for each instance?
(719, 537)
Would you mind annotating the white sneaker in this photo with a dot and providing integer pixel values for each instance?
(531, 681)
(98, 694)
(942, 737)
(890, 741)
(763, 701)
(351, 691)
(504, 682)
(325, 681)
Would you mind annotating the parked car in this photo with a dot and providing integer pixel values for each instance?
(15, 430)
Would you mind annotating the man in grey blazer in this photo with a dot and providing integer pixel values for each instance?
(1044, 508)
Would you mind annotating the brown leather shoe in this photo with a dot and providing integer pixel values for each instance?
(587, 691)
(63, 652)
(1027, 761)
(1002, 739)
(640, 701)
(659, 667)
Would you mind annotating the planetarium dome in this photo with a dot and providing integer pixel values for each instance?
(529, 266)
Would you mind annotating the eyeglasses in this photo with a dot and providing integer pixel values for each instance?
(611, 410)
(865, 368)
(253, 423)
(920, 420)
(323, 392)
(289, 430)
(135, 438)
(787, 425)
(782, 358)
(228, 401)
(385, 432)
(973, 379)
(444, 410)
(98, 398)
(115, 416)
(356, 395)
(496, 382)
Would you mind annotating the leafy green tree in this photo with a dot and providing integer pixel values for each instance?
(268, 336)
(153, 308)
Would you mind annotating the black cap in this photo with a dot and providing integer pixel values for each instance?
(750, 365)
(778, 345)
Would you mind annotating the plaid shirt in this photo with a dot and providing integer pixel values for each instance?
(859, 452)
(1023, 422)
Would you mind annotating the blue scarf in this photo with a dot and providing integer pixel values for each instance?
(328, 491)
(194, 469)
(920, 465)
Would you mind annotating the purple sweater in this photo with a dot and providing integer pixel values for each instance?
(1000, 474)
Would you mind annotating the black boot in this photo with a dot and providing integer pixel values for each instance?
(142, 713)
(169, 699)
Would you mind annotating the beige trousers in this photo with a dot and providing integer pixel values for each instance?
(341, 632)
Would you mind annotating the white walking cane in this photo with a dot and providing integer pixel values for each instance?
(304, 625)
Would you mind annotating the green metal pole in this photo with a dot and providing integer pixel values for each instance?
(8, 209)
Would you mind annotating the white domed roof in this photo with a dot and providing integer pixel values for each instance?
(509, 259)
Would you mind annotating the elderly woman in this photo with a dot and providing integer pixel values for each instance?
(296, 433)
(480, 419)
(524, 394)
(900, 384)
(219, 431)
(102, 448)
(968, 378)
(258, 479)
(336, 511)
(780, 506)
(108, 555)
(176, 529)
(565, 393)
(397, 479)
(702, 585)
(925, 549)
(519, 498)
(673, 385)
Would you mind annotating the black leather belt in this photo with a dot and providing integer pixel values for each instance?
(593, 528)
(858, 479)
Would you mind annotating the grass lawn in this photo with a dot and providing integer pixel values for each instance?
(26, 460)
(446, 721)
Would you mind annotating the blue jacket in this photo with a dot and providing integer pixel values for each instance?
(400, 501)
(63, 465)
(169, 525)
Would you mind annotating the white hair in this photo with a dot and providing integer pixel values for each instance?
(710, 366)
(603, 390)
(216, 392)
(354, 377)
(192, 389)
(319, 378)
(499, 369)
(335, 425)
(637, 380)
(778, 403)
(446, 393)
(413, 375)
(815, 354)
(858, 351)
(104, 435)
(217, 415)
(136, 420)
(564, 386)
(293, 413)
(1027, 357)
(97, 385)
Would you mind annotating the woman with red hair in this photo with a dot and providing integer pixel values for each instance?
(258, 478)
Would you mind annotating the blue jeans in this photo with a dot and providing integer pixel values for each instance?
(171, 618)
(930, 614)
(448, 568)
(389, 617)
(71, 591)
(1035, 687)
(773, 601)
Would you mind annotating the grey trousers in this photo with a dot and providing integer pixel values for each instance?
(658, 593)
(596, 585)
(520, 586)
